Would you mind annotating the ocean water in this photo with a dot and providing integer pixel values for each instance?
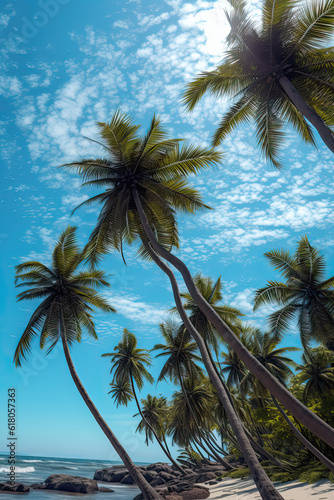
(29, 470)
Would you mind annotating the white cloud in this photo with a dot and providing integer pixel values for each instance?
(135, 309)
(121, 24)
(10, 86)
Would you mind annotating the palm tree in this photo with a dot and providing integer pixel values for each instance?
(128, 368)
(181, 352)
(69, 298)
(212, 293)
(135, 207)
(278, 71)
(156, 413)
(305, 296)
(264, 348)
(317, 371)
(181, 364)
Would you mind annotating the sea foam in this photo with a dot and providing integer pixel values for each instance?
(22, 470)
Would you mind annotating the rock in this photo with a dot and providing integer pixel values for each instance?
(210, 468)
(160, 467)
(166, 476)
(207, 476)
(158, 481)
(149, 475)
(127, 479)
(103, 489)
(76, 484)
(38, 486)
(113, 474)
(195, 494)
(211, 483)
(188, 471)
(173, 497)
(15, 488)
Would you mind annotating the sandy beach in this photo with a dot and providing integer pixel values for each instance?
(244, 489)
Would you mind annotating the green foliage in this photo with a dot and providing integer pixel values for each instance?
(305, 296)
(288, 44)
(238, 473)
(313, 476)
(152, 169)
(283, 477)
(69, 296)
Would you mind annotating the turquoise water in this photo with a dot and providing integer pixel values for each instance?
(29, 470)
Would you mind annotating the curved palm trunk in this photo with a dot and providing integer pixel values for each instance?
(324, 131)
(212, 440)
(199, 452)
(201, 434)
(168, 455)
(292, 404)
(328, 463)
(148, 491)
(257, 446)
(262, 481)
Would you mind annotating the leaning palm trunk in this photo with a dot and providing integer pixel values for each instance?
(328, 463)
(168, 455)
(262, 481)
(253, 442)
(295, 407)
(147, 490)
(324, 131)
(201, 434)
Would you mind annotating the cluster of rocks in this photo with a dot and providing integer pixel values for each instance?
(75, 484)
(170, 483)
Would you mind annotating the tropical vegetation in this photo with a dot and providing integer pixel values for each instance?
(241, 397)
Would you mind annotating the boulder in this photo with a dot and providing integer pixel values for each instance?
(113, 474)
(127, 479)
(158, 481)
(103, 489)
(211, 483)
(195, 493)
(206, 476)
(160, 467)
(149, 475)
(15, 488)
(166, 476)
(76, 484)
(211, 468)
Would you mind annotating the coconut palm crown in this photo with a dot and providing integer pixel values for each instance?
(277, 71)
(305, 296)
(69, 296)
(154, 166)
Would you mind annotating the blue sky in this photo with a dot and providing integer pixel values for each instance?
(66, 64)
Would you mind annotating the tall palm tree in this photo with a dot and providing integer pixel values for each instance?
(182, 357)
(135, 207)
(212, 293)
(69, 298)
(264, 346)
(181, 364)
(128, 365)
(305, 296)
(278, 71)
(156, 413)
